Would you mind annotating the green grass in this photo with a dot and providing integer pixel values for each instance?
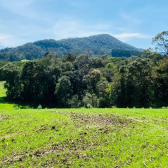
(83, 137)
(4, 104)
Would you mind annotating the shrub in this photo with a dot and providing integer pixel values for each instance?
(101, 103)
(16, 107)
(164, 107)
(39, 106)
(113, 107)
(89, 106)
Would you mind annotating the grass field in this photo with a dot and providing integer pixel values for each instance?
(82, 137)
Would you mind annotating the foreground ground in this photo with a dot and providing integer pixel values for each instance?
(82, 137)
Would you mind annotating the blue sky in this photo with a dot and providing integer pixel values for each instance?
(132, 21)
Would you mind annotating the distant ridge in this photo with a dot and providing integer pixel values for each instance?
(101, 44)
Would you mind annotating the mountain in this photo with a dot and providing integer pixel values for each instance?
(94, 45)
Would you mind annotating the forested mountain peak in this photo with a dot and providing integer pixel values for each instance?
(103, 37)
(101, 44)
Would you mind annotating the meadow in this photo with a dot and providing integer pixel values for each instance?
(109, 137)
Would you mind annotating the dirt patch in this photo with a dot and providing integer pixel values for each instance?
(99, 120)
(3, 117)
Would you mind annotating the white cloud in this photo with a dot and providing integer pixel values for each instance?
(72, 28)
(21, 7)
(129, 36)
(8, 40)
(64, 28)
(5, 39)
(130, 18)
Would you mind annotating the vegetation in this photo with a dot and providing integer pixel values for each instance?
(82, 137)
(125, 53)
(5, 104)
(161, 41)
(77, 81)
(93, 45)
(87, 136)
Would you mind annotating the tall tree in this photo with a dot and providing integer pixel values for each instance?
(63, 91)
(161, 41)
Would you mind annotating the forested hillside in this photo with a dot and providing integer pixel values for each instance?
(89, 81)
(94, 45)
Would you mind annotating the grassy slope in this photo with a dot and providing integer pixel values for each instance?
(83, 137)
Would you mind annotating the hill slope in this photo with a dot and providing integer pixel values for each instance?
(94, 45)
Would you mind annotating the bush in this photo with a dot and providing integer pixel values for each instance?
(16, 107)
(113, 107)
(39, 106)
(74, 102)
(164, 107)
(89, 106)
(101, 103)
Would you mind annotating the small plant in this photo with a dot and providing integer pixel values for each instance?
(89, 106)
(16, 107)
(113, 107)
(39, 106)
(83, 107)
(164, 107)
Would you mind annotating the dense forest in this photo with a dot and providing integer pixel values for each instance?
(83, 81)
(103, 44)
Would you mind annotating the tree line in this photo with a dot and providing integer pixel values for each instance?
(76, 81)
